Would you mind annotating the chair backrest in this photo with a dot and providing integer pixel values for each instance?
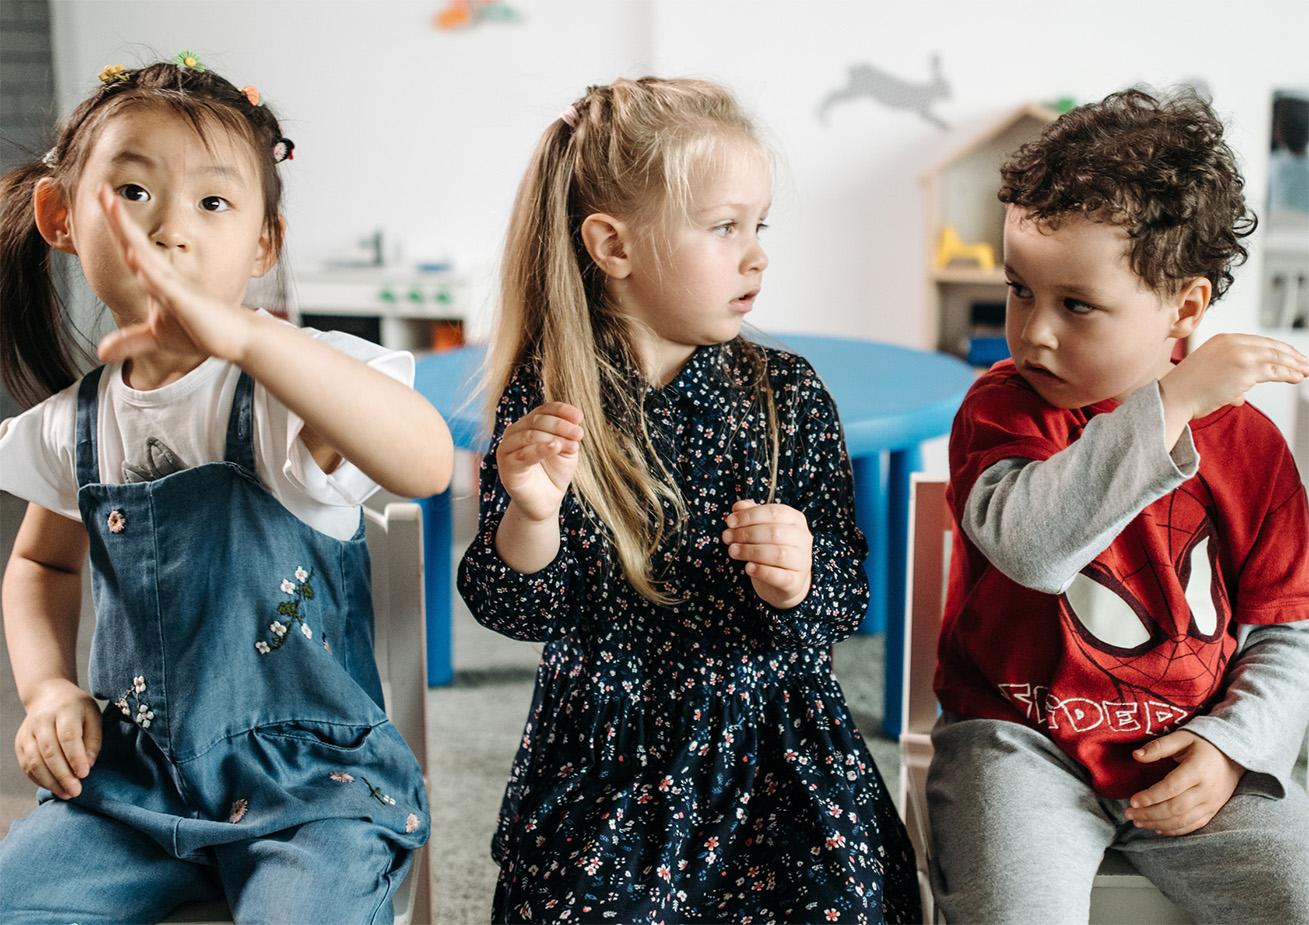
(1301, 445)
(930, 532)
(395, 545)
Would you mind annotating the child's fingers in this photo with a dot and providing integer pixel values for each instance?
(68, 730)
(560, 409)
(1167, 812)
(29, 759)
(783, 557)
(155, 272)
(780, 534)
(1163, 746)
(52, 756)
(764, 514)
(554, 424)
(127, 342)
(92, 734)
(1177, 782)
(784, 580)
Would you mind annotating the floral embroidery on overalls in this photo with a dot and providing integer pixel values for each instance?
(144, 714)
(291, 611)
(117, 522)
(237, 812)
(412, 822)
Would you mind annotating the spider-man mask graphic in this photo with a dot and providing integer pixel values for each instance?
(1146, 638)
(1152, 611)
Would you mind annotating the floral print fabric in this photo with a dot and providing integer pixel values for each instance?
(695, 762)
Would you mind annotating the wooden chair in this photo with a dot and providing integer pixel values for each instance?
(395, 544)
(1119, 894)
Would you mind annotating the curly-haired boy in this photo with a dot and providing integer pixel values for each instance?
(1125, 646)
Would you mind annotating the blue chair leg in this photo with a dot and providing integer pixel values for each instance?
(903, 463)
(870, 514)
(438, 540)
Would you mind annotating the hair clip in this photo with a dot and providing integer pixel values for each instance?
(569, 116)
(252, 94)
(283, 150)
(190, 61)
(51, 158)
(113, 74)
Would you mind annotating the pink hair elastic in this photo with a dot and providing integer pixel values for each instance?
(569, 116)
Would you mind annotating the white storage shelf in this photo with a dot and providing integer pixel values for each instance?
(405, 302)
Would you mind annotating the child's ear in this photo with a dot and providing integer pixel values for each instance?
(269, 249)
(1189, 306)
(51, 211)
(605, 238)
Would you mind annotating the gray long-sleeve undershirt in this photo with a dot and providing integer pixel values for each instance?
(1042, 522)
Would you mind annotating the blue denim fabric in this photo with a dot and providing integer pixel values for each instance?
(234, 645)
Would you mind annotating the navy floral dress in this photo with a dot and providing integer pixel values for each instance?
(694, 763)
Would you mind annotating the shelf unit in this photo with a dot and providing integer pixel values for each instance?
(960, 191)
(400, 308)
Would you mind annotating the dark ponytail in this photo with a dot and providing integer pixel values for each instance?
(39, 354)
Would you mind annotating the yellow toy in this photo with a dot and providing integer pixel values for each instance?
(951, 248)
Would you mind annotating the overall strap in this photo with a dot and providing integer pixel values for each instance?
(88, 412)
(240, 425)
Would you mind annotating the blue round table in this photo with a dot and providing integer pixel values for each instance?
(890, 400)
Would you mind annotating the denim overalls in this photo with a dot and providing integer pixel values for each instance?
(234, 645)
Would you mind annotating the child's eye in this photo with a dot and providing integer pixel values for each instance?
(1018, 289)
(760, 227)
(724, 230)
(133, 193)
(215, 204)
(1078, 307)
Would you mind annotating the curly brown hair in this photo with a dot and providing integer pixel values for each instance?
(1158, 167)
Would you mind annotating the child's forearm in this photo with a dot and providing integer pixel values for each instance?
(388, 430)
(42, 608)
(526, 545)
(1041, 522)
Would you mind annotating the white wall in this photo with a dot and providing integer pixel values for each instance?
(425, 133)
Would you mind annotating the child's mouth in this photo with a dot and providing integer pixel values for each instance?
(1041, 372)
(744, 303)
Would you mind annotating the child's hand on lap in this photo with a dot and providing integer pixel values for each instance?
(778, 550)
(1192, 793)
(182, 317)
(60, 737)
(537, 457)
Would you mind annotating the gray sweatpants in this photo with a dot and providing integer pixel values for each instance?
(1017, 835)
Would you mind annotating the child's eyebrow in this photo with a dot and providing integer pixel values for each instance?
(135, 157)
(739, 206)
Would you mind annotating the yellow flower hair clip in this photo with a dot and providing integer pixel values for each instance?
(113, 74)
(189, 60)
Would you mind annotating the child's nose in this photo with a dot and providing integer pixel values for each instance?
(1039, 331)
(757, 260)
(170, 229)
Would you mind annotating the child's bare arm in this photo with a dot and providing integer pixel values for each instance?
(60, 736)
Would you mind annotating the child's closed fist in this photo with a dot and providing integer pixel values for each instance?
(537, 457)
(1192, 793)
(60, 738)
(774, 542)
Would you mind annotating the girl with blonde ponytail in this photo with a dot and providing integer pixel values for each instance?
(668, 506)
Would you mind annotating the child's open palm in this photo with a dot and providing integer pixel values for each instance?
(182, 318)
(537, 457)
(1192, 793)
(778, 550)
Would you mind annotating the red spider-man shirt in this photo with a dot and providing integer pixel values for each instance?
(1141, 639)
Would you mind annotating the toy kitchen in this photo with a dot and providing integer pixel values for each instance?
(420, 306)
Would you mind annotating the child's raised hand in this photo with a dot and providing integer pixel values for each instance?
(182, 317)
(1227, 366)
(60, 738)
(537, 457)
(778, 550)
(1192, 793)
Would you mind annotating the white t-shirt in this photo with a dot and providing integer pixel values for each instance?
(145, 435)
